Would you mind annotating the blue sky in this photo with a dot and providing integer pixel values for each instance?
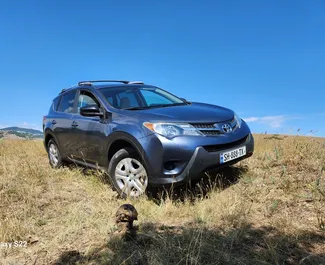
(264, 59)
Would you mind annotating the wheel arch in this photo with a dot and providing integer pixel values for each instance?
(48, 136)
(119, 140)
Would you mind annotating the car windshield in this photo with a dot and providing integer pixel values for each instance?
(136, 98)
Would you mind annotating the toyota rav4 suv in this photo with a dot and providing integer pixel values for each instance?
(141, 135)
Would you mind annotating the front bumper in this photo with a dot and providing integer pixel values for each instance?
(190, 155)
(202, 160)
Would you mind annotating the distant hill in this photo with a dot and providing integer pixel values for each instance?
(20, 133)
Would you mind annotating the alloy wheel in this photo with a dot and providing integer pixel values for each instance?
(131, 177)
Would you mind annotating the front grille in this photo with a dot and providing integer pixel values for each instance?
(203, 125)
(233, 123)
(219, 147)
(213, 129)
(207, 129)
(211, 133)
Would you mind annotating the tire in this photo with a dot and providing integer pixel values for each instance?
(128, 175)
(54, 154)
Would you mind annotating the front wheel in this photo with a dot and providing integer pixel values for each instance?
(128, 175)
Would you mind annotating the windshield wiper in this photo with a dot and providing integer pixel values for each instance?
(156, 106)
(136, 108)
(169, 105)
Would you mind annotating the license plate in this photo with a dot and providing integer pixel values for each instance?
(232, 154)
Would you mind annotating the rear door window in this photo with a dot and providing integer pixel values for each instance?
(67, 102)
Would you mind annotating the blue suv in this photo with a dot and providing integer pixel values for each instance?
(141, 135)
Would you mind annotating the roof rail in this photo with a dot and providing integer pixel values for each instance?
(89, 83)
(136, 82)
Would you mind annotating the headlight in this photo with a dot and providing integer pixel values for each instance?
(238, 119)
(170, 130)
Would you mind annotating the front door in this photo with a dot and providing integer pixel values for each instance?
(90, 132)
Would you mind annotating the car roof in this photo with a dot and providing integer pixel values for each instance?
(102, 86)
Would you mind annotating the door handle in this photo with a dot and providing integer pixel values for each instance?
(74, 124)
(53, 122)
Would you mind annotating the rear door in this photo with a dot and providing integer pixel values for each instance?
(62, 122)
(90, 133)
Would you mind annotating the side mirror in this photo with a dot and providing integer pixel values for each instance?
(91, 111)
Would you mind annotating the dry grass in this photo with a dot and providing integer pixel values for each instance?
(269, 209)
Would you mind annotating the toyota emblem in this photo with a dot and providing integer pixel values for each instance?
(226, 128)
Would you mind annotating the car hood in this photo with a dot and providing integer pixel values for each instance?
(191, 113)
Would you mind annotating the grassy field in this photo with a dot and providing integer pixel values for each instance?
(268, 209)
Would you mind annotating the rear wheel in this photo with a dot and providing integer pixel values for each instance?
(128, 175)
(54, 154)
